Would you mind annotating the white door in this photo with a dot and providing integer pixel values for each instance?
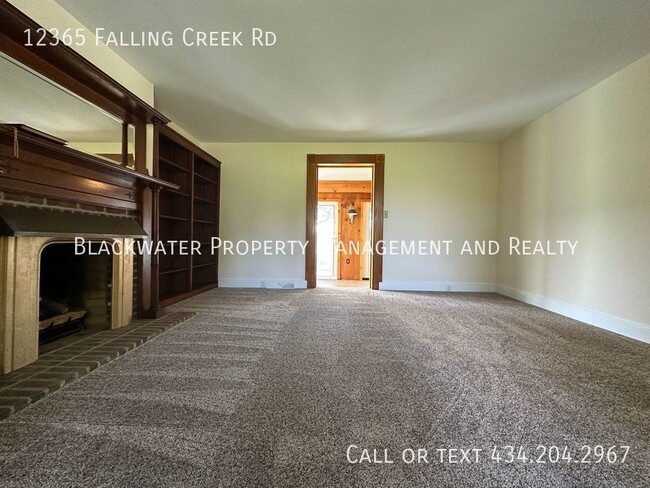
(327, 239)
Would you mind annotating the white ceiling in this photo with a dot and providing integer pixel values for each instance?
(345, 174)
(342, 70)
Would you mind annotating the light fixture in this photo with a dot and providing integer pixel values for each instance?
(352, 213)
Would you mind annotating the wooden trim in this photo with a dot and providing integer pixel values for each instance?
(154, 303)
(376, 161)
(125, 144)
(47, 169)
(144, 260)
(217, 224)
(140, 155)
(377, 267)
(148, 280)
(38, 190)
(312, 209)
(69, 69)
(190, 223)
(345, 159)
(64, 153)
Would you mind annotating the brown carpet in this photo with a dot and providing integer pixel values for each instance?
(269, 388)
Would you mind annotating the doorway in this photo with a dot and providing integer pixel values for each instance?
(344, 219)
(348, 192)
(327, 238)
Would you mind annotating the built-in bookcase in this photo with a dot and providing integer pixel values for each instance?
(205, 220)
(189, 213)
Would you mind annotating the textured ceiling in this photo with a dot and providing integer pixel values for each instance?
(361, 70)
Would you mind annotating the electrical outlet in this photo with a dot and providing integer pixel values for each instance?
(385, 214)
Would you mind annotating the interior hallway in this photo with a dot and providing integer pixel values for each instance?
(270, 387)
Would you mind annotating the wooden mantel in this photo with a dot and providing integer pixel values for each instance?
(66, 67)
(33, 165)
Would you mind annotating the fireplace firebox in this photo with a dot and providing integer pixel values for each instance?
(74, 292)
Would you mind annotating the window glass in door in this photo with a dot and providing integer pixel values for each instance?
(327, 240)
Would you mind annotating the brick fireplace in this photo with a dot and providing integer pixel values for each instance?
(51, 194)
(20, 259)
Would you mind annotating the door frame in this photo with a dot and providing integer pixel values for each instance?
(374, 161)
(366, 210)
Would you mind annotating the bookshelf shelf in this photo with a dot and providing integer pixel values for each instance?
(189, 213)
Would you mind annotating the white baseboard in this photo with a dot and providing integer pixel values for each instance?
(271, 283)
(436, 286)
(624, 327)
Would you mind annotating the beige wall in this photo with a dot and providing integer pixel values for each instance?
(582, 171)
(579, 172)
(448, 191)
(432, 191)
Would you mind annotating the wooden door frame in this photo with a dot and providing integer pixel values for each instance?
(374, 161)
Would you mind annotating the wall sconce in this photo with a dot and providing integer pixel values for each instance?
(352, 213)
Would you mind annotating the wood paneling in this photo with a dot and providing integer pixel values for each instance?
(349, 266)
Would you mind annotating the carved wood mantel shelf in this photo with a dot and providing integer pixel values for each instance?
(33, 165)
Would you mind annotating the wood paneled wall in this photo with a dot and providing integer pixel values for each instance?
(340, 191)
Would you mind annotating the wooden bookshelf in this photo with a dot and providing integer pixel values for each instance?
(189, 213)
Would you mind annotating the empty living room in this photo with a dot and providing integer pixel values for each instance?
(324, 243)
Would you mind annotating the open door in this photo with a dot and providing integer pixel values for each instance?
(376, 206)
(327, 239)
